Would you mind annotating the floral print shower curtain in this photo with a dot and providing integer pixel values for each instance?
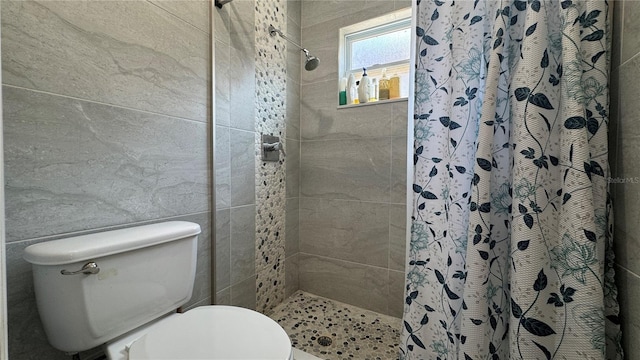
(510, 252)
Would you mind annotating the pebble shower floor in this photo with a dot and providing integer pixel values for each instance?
(355, 333)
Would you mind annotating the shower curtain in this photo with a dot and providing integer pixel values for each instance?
(510, 251)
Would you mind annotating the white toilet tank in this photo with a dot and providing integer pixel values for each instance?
(144, 273)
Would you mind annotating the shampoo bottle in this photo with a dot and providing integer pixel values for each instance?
(394, 87)
(383, 86)
(342, 95)
(373, 91)
(352, 92)
(363, 89)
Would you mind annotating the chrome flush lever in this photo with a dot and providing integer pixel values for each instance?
(88, 269)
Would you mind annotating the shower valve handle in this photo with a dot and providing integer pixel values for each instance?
(274, 147)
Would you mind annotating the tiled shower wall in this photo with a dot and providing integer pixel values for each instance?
(106, 125)
(624, 140)
(294, 61)
(235, 170)
(352, 174)
(253, 94)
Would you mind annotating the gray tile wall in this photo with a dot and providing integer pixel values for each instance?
(352, 175)
(294, 68)
(235, 81)
(106, 126)
(243, 221)
(624, 139)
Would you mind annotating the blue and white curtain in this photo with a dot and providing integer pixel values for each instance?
(510, 249)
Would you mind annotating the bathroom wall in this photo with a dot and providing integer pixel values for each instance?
(294, 68)
(106, 124)
(235, 170)
(624, 140)
(252, 98)
(352, 174)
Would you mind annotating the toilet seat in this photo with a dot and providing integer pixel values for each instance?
(214, 332)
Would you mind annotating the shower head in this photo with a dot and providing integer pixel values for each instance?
(311, 63)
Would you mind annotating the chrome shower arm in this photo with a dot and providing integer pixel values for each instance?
(273, 31)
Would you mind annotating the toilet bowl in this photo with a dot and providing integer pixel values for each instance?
(121, 288)
(208, 332)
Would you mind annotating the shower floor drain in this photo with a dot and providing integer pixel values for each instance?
(324, 340)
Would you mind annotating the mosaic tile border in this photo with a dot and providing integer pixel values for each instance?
(270, 59)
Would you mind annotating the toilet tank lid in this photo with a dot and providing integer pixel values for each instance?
(86, 247)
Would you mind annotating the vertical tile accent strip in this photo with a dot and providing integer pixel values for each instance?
(270, 176)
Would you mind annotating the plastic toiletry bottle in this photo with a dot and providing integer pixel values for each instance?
(383, 86)
(394, 87)
(373, 91)
(363, 88)
(352, 93)
(342, 95)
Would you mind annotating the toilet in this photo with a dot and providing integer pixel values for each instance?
(121, 289)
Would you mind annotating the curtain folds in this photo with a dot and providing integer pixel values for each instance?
(510, 253)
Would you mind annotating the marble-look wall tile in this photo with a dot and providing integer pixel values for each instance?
(223, 167)
(629, 291)
(400, 118)
(293, 109)
(614, 119)
(357, 169)
(242, 70)
(243, 170)
(294, 54)
(292, 227)
(242, 17)
(223, 249)
(630, 28)
(322, 120)
(396, 293)
(223, 297)
(399, 170)
(397, 236)
(617, 36)
(294, 11)
(221, 24)
(194, 12)
(360, 285)
(72, 165)
(202, 282)
(318, 11)
(242, 88)
(401, 4)
(627, 245)
(243, 228)
(347, 230)
(222, 66)
(27, 339)
(150, 60)
(292, 284)
(244, 293)
(627, 195)
(292, 165)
